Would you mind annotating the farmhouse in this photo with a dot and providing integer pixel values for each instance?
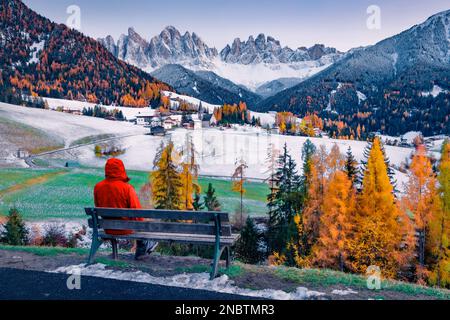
(197, 124)
(144, 120)
(206, 120)
(168, 124)
(146, 117)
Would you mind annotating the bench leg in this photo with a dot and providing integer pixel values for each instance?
(215, 266)
(96, 243)
(115, 249)
(216, 261)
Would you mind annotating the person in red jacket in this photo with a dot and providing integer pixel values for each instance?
(116, 192)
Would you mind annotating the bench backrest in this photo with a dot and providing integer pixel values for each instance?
(162, 221)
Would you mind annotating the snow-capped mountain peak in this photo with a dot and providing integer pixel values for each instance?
(250, 63)
(170, 46)
(269, 50)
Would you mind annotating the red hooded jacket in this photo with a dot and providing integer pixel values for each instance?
(116, 192)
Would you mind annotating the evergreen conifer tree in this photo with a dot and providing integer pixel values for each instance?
(284, 203)
(210, 199)
(15, 233)
(248, 245)
(351, 166)
(198, 204)
(308, 151)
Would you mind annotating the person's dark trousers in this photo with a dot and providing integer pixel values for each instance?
(141, 248)
(144, 247)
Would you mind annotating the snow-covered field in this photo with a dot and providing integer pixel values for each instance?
(218, 150)
(68, 127)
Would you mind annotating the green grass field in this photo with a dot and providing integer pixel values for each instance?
(11, 177)
(42, 194)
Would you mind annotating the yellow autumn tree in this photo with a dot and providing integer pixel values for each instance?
(166, 181)
(336, 221)
(187, 190)
(421, 202)
(282, 127)
(440, 225)
(189, 175)
(335, 160)
(378, 221)
(239, 180)
(324, 164)
(315, 196)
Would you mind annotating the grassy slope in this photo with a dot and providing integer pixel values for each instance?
(255, 196)
(31, 139)
(65, 195)
(11, 177)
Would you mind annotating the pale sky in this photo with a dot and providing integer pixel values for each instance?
(336, 23)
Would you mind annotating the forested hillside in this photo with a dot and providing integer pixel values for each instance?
(400, 84)
(42, 58)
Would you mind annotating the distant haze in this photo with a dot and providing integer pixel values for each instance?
(339, 24)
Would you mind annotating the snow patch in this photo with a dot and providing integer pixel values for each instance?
(195, 87)
(361, 96)
(331, 96)
(266, 118)
(434, 92)
(35, 49)
(410, 136)
(394, 57)
(343, 292)
(192, 281)
(174, 96)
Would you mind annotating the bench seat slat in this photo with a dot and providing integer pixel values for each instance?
(181, 238)
(166, 227)
(158, 214)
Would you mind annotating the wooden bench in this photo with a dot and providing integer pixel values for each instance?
(191, 227)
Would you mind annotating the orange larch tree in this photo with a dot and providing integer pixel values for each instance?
(421, 202)
(336, 221)
(439, 244)
(379, 224)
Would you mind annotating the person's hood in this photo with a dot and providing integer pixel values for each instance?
(115, 169)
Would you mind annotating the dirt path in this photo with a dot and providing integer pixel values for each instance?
(31, 182)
